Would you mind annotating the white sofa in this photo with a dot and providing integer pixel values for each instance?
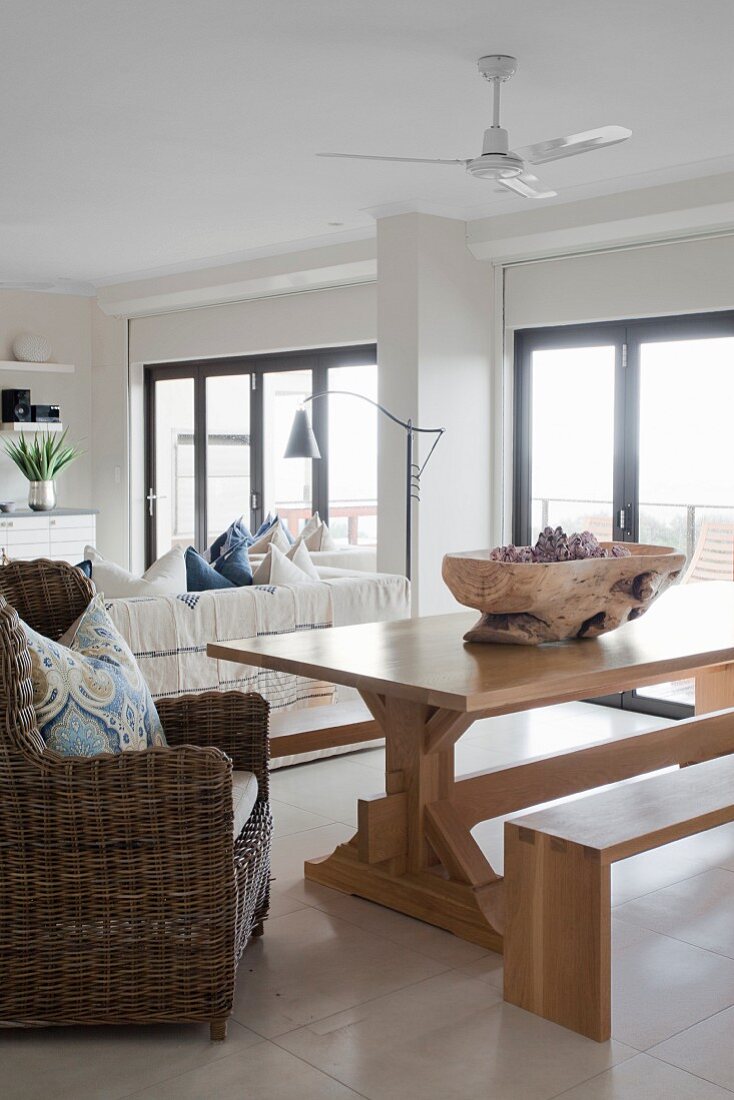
(169, 634)
(361, 559)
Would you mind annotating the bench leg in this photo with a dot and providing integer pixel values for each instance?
(557, 931)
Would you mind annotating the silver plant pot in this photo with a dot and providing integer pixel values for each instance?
(41, 496)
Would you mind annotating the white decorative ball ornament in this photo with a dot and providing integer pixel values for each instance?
(31, 349)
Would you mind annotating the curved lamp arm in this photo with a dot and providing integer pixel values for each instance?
(407, 424)
(302, 443)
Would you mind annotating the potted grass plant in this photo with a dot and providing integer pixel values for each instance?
(41, 461)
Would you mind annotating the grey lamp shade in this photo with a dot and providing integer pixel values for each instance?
(302, 442)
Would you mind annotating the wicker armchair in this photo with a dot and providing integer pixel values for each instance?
(124, 896)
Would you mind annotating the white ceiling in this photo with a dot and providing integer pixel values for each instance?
(150, 134)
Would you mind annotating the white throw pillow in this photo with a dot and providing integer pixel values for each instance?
(166, 576)
(300, 556)
(320, 539)
(275, 536)
(276, 568)
(310, 527)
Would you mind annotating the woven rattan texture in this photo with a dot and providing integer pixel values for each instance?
(123, 895)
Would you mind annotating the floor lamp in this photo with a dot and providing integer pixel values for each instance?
(302, 444)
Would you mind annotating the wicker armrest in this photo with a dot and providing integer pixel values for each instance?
(169, 799)
(231, 721)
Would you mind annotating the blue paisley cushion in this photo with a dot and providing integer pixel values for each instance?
(91, 697)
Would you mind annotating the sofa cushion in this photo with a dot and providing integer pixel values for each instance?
(236, 532)
(166, 576)
(274, 535)
(300, 556)
(273, 520)
(316, 535)
(244, 796)
(201, 576)
(90, 697)
(276, 568)
(234, 565)
(310, 527)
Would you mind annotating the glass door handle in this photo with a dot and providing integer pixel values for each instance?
(150, 498)
(623, 518)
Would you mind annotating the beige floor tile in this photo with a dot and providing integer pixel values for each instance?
(281, 903)
(644, 1078)
(714, 848)
(640, 875)
(328, 788)
(396, 927)
(487, 969)
(368, 758)
(624, 935)
(290, 852)
(290, 819)
(97, 1063)
(310, 964)
(706, 1049)
(699, 910)
(450, 1038)
(661, 986)
(269, 1074)
(555, 729)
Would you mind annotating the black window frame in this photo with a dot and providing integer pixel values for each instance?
(319, 361)
(626, 336)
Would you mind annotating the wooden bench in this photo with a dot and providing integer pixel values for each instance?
(558, 878)
(313, 729)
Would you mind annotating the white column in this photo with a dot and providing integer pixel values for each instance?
(434, 310)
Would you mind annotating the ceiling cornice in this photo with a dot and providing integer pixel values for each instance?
(342, 264)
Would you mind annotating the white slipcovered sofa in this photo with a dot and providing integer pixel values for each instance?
(169, 634)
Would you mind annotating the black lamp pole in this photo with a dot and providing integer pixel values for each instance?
(302, 443)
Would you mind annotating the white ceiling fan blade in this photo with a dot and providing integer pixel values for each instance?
(404, 160)
(524, 185)
(569, 146)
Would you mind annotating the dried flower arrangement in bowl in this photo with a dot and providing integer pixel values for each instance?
(565, 586)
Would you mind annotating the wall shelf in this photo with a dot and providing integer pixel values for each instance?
(31, 426)
(47, 368)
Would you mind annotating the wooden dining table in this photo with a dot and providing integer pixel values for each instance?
(413, 850)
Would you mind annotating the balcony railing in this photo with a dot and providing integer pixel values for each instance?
(668, 522)
(295, 514)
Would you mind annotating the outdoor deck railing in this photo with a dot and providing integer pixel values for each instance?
(691, 511)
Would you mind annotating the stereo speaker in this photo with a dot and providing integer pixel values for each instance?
(16, 405)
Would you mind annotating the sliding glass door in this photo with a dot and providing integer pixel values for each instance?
(228, 464)
(215, 436)
(623, 430)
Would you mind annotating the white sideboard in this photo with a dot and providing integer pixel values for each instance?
(60, 535)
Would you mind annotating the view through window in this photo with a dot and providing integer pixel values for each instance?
(217, 433)
(623, 430)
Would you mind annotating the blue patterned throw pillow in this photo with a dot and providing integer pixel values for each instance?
(91, 697)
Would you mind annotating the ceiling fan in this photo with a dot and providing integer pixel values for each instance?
(497, 162)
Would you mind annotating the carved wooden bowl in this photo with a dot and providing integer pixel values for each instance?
(526, 603)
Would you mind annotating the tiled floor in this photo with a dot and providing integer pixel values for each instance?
(342, 998)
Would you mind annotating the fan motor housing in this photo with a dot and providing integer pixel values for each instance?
(496, 166)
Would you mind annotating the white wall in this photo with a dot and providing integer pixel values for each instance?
(646, 281)
(434, 349)
(318, 318)
(109, 434)
(65, 322)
